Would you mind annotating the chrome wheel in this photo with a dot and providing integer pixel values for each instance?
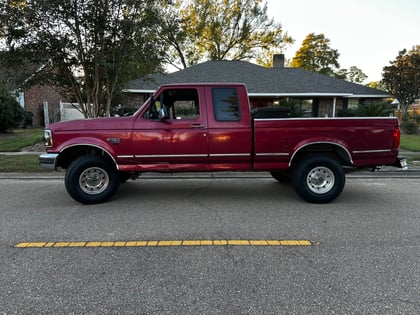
(94, 180)
(91, 179)
(320, 180)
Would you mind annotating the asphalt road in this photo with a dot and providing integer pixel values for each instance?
(363, 258)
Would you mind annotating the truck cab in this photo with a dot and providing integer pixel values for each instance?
(199, 128)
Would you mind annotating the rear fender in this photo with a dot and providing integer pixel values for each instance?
(340, 150)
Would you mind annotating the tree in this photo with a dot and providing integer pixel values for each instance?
(353, 74)
(11, 114)
(402, 78)
(379, 85)
(89, 48)
(222, 30)
(316, 55)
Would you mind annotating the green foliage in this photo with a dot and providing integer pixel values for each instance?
(316, 55)
(28, 119)
(402, 78)
(294, 108)
(373, 110)
(353, 74)
(346, 112)
(409, 128)
(221, 30)
(89, 48)
(368, 110)
(376, 85)
(11, 114)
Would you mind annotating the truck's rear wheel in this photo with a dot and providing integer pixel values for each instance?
(318, 179)
(91, 179)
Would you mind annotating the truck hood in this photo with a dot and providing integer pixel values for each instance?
(108, 123)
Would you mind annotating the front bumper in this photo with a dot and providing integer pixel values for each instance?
(48, 160)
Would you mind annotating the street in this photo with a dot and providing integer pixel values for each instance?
(363, 254)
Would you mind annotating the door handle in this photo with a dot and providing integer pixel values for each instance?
(200, 126)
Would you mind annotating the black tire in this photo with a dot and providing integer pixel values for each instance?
(281, 177)
(318, 179)
(91, 179)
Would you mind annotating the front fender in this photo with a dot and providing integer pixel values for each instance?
(87, 141)
(72, 148)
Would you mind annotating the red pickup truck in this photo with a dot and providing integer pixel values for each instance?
(210, 127)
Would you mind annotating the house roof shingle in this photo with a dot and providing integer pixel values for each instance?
(259, 80)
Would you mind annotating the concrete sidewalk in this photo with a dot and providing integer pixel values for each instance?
(21, 153)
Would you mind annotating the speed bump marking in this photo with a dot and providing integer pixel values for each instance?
(166, 243)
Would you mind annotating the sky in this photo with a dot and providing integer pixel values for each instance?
(368, 34)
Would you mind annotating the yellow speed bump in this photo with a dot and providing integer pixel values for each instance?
(166, 243)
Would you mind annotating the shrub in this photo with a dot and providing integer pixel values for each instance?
(369, 110)
(373, 110)
(409, 128)
(11, 114)
(28, 120)
(346, 112)
(294, 108)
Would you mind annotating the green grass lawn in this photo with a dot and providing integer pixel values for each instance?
(410, 142)
(20, 138)
(14, 142)
(27, 163)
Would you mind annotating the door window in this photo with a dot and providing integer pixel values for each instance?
(179, 103)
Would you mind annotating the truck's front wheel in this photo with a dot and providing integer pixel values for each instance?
(318, 179)
(91, 179)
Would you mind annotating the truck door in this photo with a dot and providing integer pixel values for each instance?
(230, 132)
(177, 142)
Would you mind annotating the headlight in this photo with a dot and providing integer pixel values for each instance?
(48, 141)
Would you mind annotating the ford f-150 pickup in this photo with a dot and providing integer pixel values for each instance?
(210, 127)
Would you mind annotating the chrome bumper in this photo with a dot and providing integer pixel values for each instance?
(47, 160)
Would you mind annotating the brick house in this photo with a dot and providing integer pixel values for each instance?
(30, 95)
(35, 96)
(316, 94)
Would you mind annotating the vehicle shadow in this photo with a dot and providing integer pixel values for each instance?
(220, 188)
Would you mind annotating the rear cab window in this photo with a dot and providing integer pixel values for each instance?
(226, 104)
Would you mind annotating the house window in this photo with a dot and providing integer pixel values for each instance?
(226, 104)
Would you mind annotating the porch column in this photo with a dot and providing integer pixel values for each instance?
(334, 104)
